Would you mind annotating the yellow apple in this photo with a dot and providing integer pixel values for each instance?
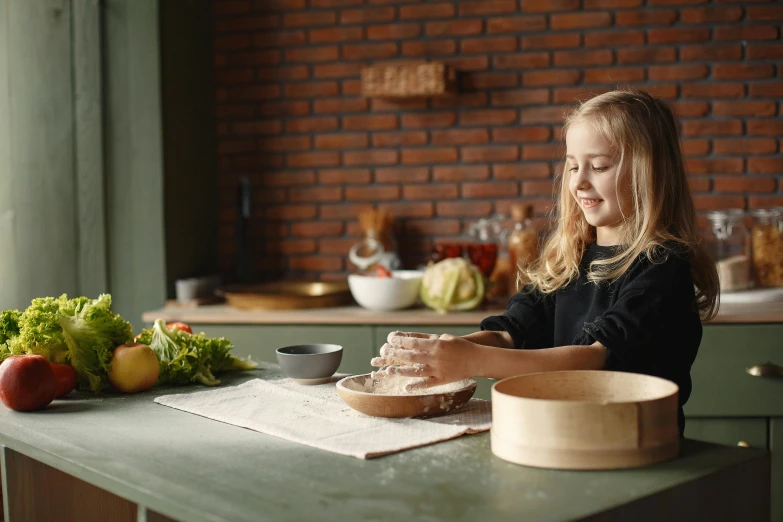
(134, 368)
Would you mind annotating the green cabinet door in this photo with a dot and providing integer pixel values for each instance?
(261, 341)
(730, 432)
(776, 447)
(484, 389)
(721, 385)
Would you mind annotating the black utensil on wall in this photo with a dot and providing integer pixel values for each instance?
(244, 208)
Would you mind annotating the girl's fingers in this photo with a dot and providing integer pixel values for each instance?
(379, 374)
(415, 370)
(414, 343)
(398, 356)
(413, 335)
(388, 350)
(395, 361)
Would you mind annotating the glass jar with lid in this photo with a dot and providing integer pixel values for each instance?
(729, 243)
(767, 244)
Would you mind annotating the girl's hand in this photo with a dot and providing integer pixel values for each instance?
(440, 359)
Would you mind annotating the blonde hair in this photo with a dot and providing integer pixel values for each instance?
(663, 221)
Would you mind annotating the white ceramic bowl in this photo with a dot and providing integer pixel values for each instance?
(386, 293)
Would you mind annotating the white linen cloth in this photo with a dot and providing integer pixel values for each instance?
(317, 417)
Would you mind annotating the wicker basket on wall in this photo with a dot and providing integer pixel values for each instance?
(407, 80)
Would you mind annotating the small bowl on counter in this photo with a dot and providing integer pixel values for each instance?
(310, 363)
(399, 291)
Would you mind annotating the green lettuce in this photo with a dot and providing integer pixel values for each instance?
(40, 332)
(82, 332)
(9, 325)
(9, 328)
(186, 358)
(92, 332)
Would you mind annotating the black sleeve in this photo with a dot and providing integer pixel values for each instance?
(529, 319)
(654, 326)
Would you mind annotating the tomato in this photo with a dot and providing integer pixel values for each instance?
(66, 379)
(180, 326)
(382, 271)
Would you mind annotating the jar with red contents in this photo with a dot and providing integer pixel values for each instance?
(481, 249)
(488, 234)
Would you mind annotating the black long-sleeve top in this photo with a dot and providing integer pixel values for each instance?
(647, 319)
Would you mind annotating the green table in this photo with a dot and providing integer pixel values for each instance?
(727, 406)
(125, 458)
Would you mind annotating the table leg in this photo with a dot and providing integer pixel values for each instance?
(3, 486)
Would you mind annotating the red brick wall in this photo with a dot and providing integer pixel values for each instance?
(290, 116)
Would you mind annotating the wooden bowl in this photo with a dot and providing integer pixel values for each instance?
(585, 420)
(401, 406)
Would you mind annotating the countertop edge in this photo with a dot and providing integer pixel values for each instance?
(757, 313)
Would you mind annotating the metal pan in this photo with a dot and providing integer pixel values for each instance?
(287, 295)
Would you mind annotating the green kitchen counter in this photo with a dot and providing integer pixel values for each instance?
(126, 458)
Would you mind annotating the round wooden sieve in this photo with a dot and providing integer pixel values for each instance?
(585, 420)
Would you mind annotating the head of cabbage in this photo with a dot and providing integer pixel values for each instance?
(453, 284)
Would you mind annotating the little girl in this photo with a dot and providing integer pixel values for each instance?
(621, 284)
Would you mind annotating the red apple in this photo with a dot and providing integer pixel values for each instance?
(27, 382)
(134, 368)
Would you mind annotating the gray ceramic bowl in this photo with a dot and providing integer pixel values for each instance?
(310, 363)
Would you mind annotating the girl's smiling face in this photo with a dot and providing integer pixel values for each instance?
(592, 166)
